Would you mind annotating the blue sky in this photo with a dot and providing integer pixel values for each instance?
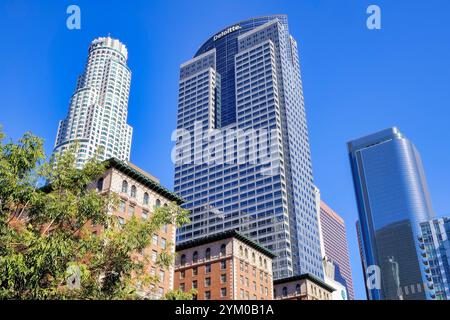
(356, 81)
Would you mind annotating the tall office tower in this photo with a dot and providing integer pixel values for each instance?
(245, 80)
(392, 198)
(335, 246)
(97, 117)
(435, 246)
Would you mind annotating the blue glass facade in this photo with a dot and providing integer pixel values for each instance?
(393, 200)
(247, 77)
(226, 48)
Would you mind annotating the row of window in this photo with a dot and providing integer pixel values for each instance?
(207, 255)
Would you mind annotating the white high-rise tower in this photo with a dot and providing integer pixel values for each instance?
(97, 116)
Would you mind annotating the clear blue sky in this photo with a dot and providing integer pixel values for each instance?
(355, 81)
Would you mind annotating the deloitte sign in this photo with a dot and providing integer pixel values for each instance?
(227, 31)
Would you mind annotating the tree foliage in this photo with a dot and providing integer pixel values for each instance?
(47, 214)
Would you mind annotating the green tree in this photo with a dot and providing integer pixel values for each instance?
(47, 247)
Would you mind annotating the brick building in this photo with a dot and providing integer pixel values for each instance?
(139, 193)
(224, 266)
(303, 287)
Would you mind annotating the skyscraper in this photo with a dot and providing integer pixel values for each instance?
(335, 246)
(435, 246)
(97, 117)
(392, 198)
(243, 86)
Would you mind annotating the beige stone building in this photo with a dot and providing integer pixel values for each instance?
(224, 266)
(303, 287)
(139, 194)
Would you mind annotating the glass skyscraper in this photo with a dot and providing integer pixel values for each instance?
(246, 79)
(97, 116)
(392, 198)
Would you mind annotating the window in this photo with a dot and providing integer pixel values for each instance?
(121, 221)
(241, 251)
(223, 249)
(253, 257)
(162, 275)
(133, 191)
(265, 264)
(223, 265)
(194, 284)
(155, 239)
(158, 203)
(223, 292)
(182, 287)
(154, 256)
(207, 282)
(284, 291)
(207, 295)
(144, 214)
(223, 278)
(208, 253)
(164, 228)
(297, 288)
(124, 186)
(182, 274)
(195, 271)
(122, 206)
(195, 256)
(246, 253)
(146, 198)
(207, 268)
(100, 184)
(131, 210)
(163, 243)
(183, 259)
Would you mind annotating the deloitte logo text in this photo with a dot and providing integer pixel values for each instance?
(227, 31)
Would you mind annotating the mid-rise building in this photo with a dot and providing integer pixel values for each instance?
(97, 116)
(224, 266)
(244, 82)
(392, 199)
(435, 246)
(139, 194)
(335, 247)
(303, 287)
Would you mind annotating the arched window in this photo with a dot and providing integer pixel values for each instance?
(265, 264)
(208, 253)
(246, 253)
(124, 186)
(183, 259)
(100, 184)
(133, 191)
(157, 203)
(297, 288)
(284, 291)
(146, 198)
(253, 257)
(223, 249)
(195, 256)
(260, 262)
(241, 251)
